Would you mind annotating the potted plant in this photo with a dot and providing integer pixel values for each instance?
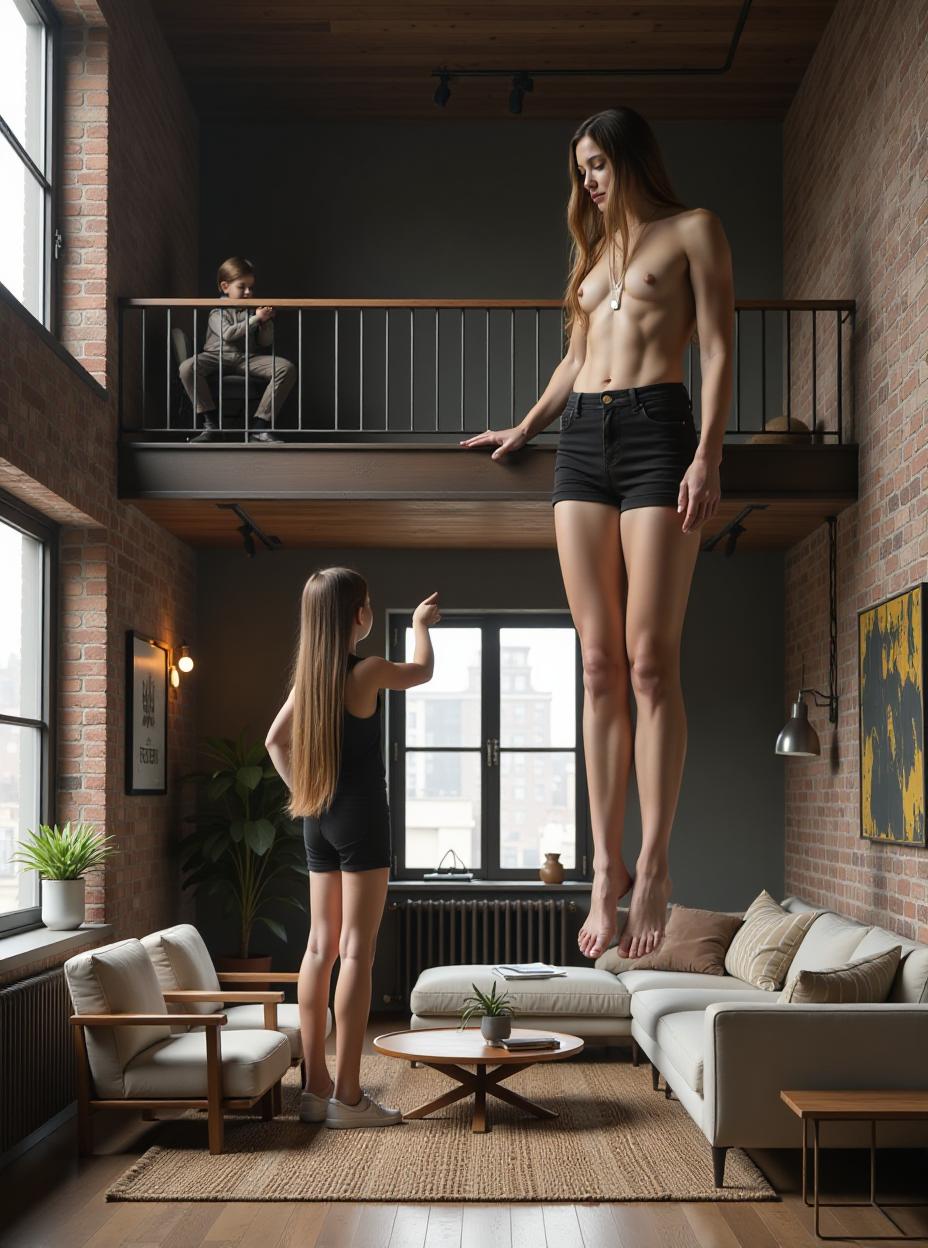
(244, 848)
(494, 1010)
(62, 856)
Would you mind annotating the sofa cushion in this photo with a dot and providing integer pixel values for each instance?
(182, 964)
(911, 982)
(652, 1004)
(251, 1018)
(863, 980)
(681, 1036)
(583, 991)
(176, 1067)
(636, 981)
(829, 942)
(766, 944)
(695, 941)
(115, 979)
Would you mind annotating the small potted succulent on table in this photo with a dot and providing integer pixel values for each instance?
(494, 1010)
(62, 857)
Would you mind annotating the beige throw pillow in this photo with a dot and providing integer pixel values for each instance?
(866, 979)
(695, 941)
(763, 949)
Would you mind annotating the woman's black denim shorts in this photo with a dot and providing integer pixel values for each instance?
(626, 448)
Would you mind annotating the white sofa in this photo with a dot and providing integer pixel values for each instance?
(725, 1048)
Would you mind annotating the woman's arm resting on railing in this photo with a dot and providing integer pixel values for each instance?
(549, 406)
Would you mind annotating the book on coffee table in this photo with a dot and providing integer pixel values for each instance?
(529, 970)
(515, 1044)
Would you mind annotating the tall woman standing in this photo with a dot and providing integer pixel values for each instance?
(634, 483)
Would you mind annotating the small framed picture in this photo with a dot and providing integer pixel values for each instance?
(146, 715)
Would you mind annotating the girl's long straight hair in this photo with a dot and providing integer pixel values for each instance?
(629, 143)
(330, 602)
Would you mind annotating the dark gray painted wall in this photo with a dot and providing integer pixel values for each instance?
(728, 839)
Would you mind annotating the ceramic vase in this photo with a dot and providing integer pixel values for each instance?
(495, 1027)
(552, 872)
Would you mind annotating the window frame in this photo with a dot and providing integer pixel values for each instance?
(47, 181)
(490, 623)
(19, 516)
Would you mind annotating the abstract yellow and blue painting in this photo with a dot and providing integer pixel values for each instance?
(892, 718)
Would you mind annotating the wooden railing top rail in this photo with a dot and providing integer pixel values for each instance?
(742, 305)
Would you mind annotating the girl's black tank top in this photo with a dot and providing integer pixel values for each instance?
(362, 766)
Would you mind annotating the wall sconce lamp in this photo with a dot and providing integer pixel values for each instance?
(798, 738)
(181, 661)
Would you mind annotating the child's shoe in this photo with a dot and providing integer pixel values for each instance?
(313, 1108)
(209, 431)
(261, 431)
(366, 1113)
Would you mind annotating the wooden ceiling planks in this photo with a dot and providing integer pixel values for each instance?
(332, 60)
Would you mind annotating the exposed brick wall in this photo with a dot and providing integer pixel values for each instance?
(856, 226)
(58, 442)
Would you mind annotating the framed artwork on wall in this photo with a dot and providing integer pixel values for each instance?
(891, 684)
(146, 715)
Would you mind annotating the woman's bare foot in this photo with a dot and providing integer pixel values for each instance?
(647, 914)
(599, 927)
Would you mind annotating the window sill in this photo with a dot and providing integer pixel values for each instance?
(26, 948)
(490, 886)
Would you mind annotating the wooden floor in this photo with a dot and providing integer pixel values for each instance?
(50, 1199)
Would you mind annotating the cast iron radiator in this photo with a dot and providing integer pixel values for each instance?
(36, 1056)
(452, 932)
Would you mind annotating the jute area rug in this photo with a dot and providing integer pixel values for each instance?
(615, 1139)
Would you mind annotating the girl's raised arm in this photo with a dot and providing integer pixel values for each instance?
(382, 674)
(277, 740)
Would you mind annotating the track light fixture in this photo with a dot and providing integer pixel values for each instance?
(520, 84)
(732, 531)
(442, 91)
(249, 530)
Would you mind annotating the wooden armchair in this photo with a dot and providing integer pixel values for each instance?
(133, 1054)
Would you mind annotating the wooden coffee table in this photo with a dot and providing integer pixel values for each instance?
(450, 1049)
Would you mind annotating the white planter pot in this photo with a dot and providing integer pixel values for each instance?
(62, 904)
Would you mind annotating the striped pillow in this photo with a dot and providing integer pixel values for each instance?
(766, 943)
(867, 979)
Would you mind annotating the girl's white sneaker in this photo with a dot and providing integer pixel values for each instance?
(313, 1108)
(366, 1113)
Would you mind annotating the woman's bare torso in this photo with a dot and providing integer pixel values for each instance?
(642, 343)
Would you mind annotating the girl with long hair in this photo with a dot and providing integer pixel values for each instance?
(326, 743)
(633, 485)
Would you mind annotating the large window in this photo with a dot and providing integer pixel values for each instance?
(484, 759)
(26, 580)
(26, 206)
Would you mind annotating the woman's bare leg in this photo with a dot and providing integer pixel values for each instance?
(325, 925)
(659, 562)
(363, 897)
(590, 552)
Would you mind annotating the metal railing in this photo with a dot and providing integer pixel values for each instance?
(376, 370)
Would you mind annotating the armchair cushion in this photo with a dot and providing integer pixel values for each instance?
(182, 962)
(288, 1023)
(115, 979)
(175, 1068)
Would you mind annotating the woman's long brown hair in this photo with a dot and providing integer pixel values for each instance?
(330, 602)
(628, 142)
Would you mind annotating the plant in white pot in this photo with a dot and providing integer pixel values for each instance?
(495, 1011)
(62, 856)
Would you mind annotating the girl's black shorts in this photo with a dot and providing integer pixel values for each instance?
(352, 835)
(626, 448)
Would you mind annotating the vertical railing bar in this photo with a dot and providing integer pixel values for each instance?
(412, 370)
(144, 386)
(248, 373)
(789, 372)
(386, 368)
(839, 365)
(360, 368)
(336, 368)
(486, 315)
(167, 363)
(512, 365)
(814, 370)
(463, 316)
(763, 369)
(299, 369)
(273, 375)
(221, 353)
(196, 370)
(537, 359)
(436, 371)
(737, 370)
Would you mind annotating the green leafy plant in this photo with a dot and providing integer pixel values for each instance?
(244, 847)
(64, 853)
(486, 1004)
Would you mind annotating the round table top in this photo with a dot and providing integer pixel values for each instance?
(467, 1046)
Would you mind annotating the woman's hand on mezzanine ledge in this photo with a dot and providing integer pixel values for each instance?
(505, 440)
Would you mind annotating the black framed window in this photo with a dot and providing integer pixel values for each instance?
(486, 759)
(27, 41)
(27, 586)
